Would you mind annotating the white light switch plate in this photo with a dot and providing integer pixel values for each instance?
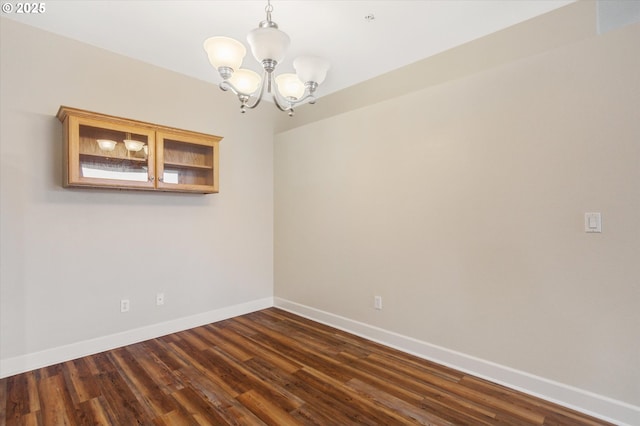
(592, 222)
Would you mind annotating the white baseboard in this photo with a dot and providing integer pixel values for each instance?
(599, 406)
(21, 364)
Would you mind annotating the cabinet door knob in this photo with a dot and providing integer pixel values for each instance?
(151, 178)
(160, 179)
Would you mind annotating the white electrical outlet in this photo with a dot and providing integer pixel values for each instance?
(125, 305)
(377, 302)
(159, 299)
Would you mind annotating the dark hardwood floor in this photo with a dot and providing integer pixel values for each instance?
(268, 367)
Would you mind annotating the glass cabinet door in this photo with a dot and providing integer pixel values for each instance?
(187, 162)
(110, 154)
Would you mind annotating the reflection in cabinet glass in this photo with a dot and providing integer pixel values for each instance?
(108, 154)
(113, 152)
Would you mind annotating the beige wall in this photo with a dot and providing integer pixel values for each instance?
(462, 206)
(69, 256)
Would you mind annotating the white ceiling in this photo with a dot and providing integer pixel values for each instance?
(170, 34)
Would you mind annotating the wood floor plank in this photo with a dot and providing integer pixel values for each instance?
(166, 381)
(309, 416)
(161, 349)
(265, 351)
(332, 410)
(195, 340)
(17, 398)
(146, 390)
(228, 340)
(3, 402)
(277, 394)
(417, 382)
(265, 409)
(77, 376)
(365, 409)
(34, 398)
(316, 399)
(213, 375)
(552, 412)
(198, 407)
(120, 399)
(233, 412)
(177, 418)
(89, 361)
(410, 411)
(406, 384)
(269, 367)
(95, 413)
(415, 366)
(30, 419)
(297, 351)
(57, 407)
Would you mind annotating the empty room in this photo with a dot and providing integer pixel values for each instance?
(320, 212)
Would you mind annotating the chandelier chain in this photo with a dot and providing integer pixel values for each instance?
(268, 8)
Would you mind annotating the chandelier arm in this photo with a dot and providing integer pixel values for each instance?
(309, 96)
(288, 109)
(280, 106)
(265, 76)
(243, 97)
(280, 100)
(227, 85)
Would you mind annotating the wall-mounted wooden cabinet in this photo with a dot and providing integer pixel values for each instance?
(103, 151)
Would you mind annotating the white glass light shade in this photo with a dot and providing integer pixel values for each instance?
(311, 68)
(268, 43)
(225, 52)
(290, 86)
(132, 145)
(245, 81)
(106, 144)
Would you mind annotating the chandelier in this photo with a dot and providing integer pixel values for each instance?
(268, 45)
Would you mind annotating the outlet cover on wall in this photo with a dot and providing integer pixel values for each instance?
(159, 299)
(377, 302)
(124, 305)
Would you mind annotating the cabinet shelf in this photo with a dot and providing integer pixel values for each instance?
(173, 160)
(174, 164)
(114, 159)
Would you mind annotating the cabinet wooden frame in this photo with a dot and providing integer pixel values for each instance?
(173, 159)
